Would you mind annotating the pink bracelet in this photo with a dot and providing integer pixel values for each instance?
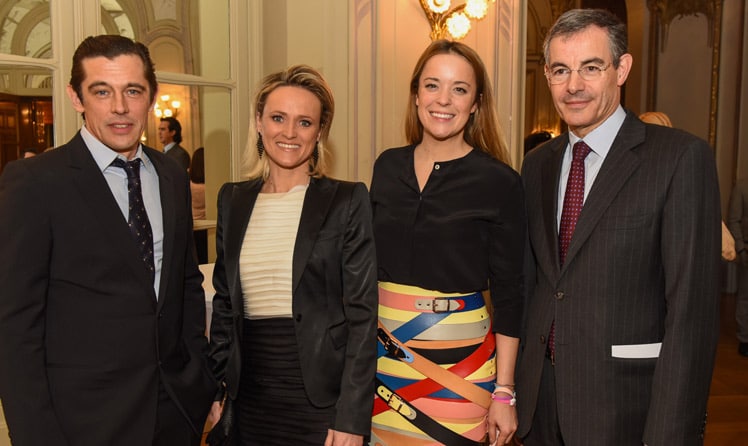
(510, 399)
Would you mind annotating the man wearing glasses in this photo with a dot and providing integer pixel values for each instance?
(624, 223)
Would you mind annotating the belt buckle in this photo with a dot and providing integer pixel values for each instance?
(440, 305)
(396, 403)
(392, 347)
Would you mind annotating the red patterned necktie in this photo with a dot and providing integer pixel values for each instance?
(573, 201)
(137, 220)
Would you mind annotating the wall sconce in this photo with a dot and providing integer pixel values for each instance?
(166, 107)
(455, 21)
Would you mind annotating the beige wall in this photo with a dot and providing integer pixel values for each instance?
(367, 51)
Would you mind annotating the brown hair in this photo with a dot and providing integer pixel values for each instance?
(482, 129)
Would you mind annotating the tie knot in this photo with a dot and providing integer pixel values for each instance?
(581, 150)
(132, 168)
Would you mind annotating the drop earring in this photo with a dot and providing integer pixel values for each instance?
(315, 154)
(260, 145)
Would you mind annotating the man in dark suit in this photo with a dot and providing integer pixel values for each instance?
(102, 342)
(623, 307)
(737, 222)
(170, 135)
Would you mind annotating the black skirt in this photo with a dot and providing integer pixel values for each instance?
(272, 406)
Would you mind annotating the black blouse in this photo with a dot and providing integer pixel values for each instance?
(464, 232)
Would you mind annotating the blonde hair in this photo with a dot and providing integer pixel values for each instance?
(302, 76)
(658, 118)
(482, 129)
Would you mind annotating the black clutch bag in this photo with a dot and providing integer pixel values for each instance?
(224, 433)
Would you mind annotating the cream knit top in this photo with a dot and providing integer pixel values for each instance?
(266, 256)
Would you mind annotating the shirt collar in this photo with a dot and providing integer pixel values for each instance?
(169, 146)
(601, 139)
(103, 155)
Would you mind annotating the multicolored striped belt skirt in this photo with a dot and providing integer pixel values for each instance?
(435, 370)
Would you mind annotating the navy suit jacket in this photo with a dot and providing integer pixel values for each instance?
(85, 342)
(642, 268)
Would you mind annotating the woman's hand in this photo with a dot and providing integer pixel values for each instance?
(215, 413)
(337, 438)
(502, 423)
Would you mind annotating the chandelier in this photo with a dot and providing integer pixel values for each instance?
(166, 107)
(455, 21)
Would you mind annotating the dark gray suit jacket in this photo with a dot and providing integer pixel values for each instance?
(85, 343)
(334, 282)
(180, 155)
(642, 268)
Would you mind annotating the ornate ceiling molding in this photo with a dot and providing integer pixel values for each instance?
(665, 11)
(559, 7)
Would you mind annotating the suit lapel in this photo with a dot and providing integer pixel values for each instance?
(168, 215)
(618, 166)
(96, 194)
(243, 199)
(317, 203)
(550, 171)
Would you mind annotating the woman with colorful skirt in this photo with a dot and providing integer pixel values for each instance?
(449, 225)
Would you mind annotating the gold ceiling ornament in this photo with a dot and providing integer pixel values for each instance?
(665, 11)
(454, 22)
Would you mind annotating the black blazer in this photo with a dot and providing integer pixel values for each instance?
(334, 296)
(642, 268)
(85, 342)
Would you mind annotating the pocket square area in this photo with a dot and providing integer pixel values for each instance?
(636, 351)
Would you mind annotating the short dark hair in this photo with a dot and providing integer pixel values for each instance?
(576, 20)
(110, 46)
(174, 126)
(535, 139)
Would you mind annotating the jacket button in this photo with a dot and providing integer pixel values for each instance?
(559, 295)
(298, 318)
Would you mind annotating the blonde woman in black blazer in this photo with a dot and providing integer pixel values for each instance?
(306, 375)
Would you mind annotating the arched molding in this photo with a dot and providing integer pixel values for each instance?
(136, 13)
(107, 21)
(25, 27)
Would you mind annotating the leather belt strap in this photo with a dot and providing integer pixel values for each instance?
(444, 332)
(460, 370)
(460, 411)
(391, 296)
(398, 383)
(389, 344)
(423, 321)
(452, 343)
(421, 420)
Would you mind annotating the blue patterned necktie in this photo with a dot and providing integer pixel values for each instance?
(137, 220)
(573, 202)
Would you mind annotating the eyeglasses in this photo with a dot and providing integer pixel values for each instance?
(560, 75)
